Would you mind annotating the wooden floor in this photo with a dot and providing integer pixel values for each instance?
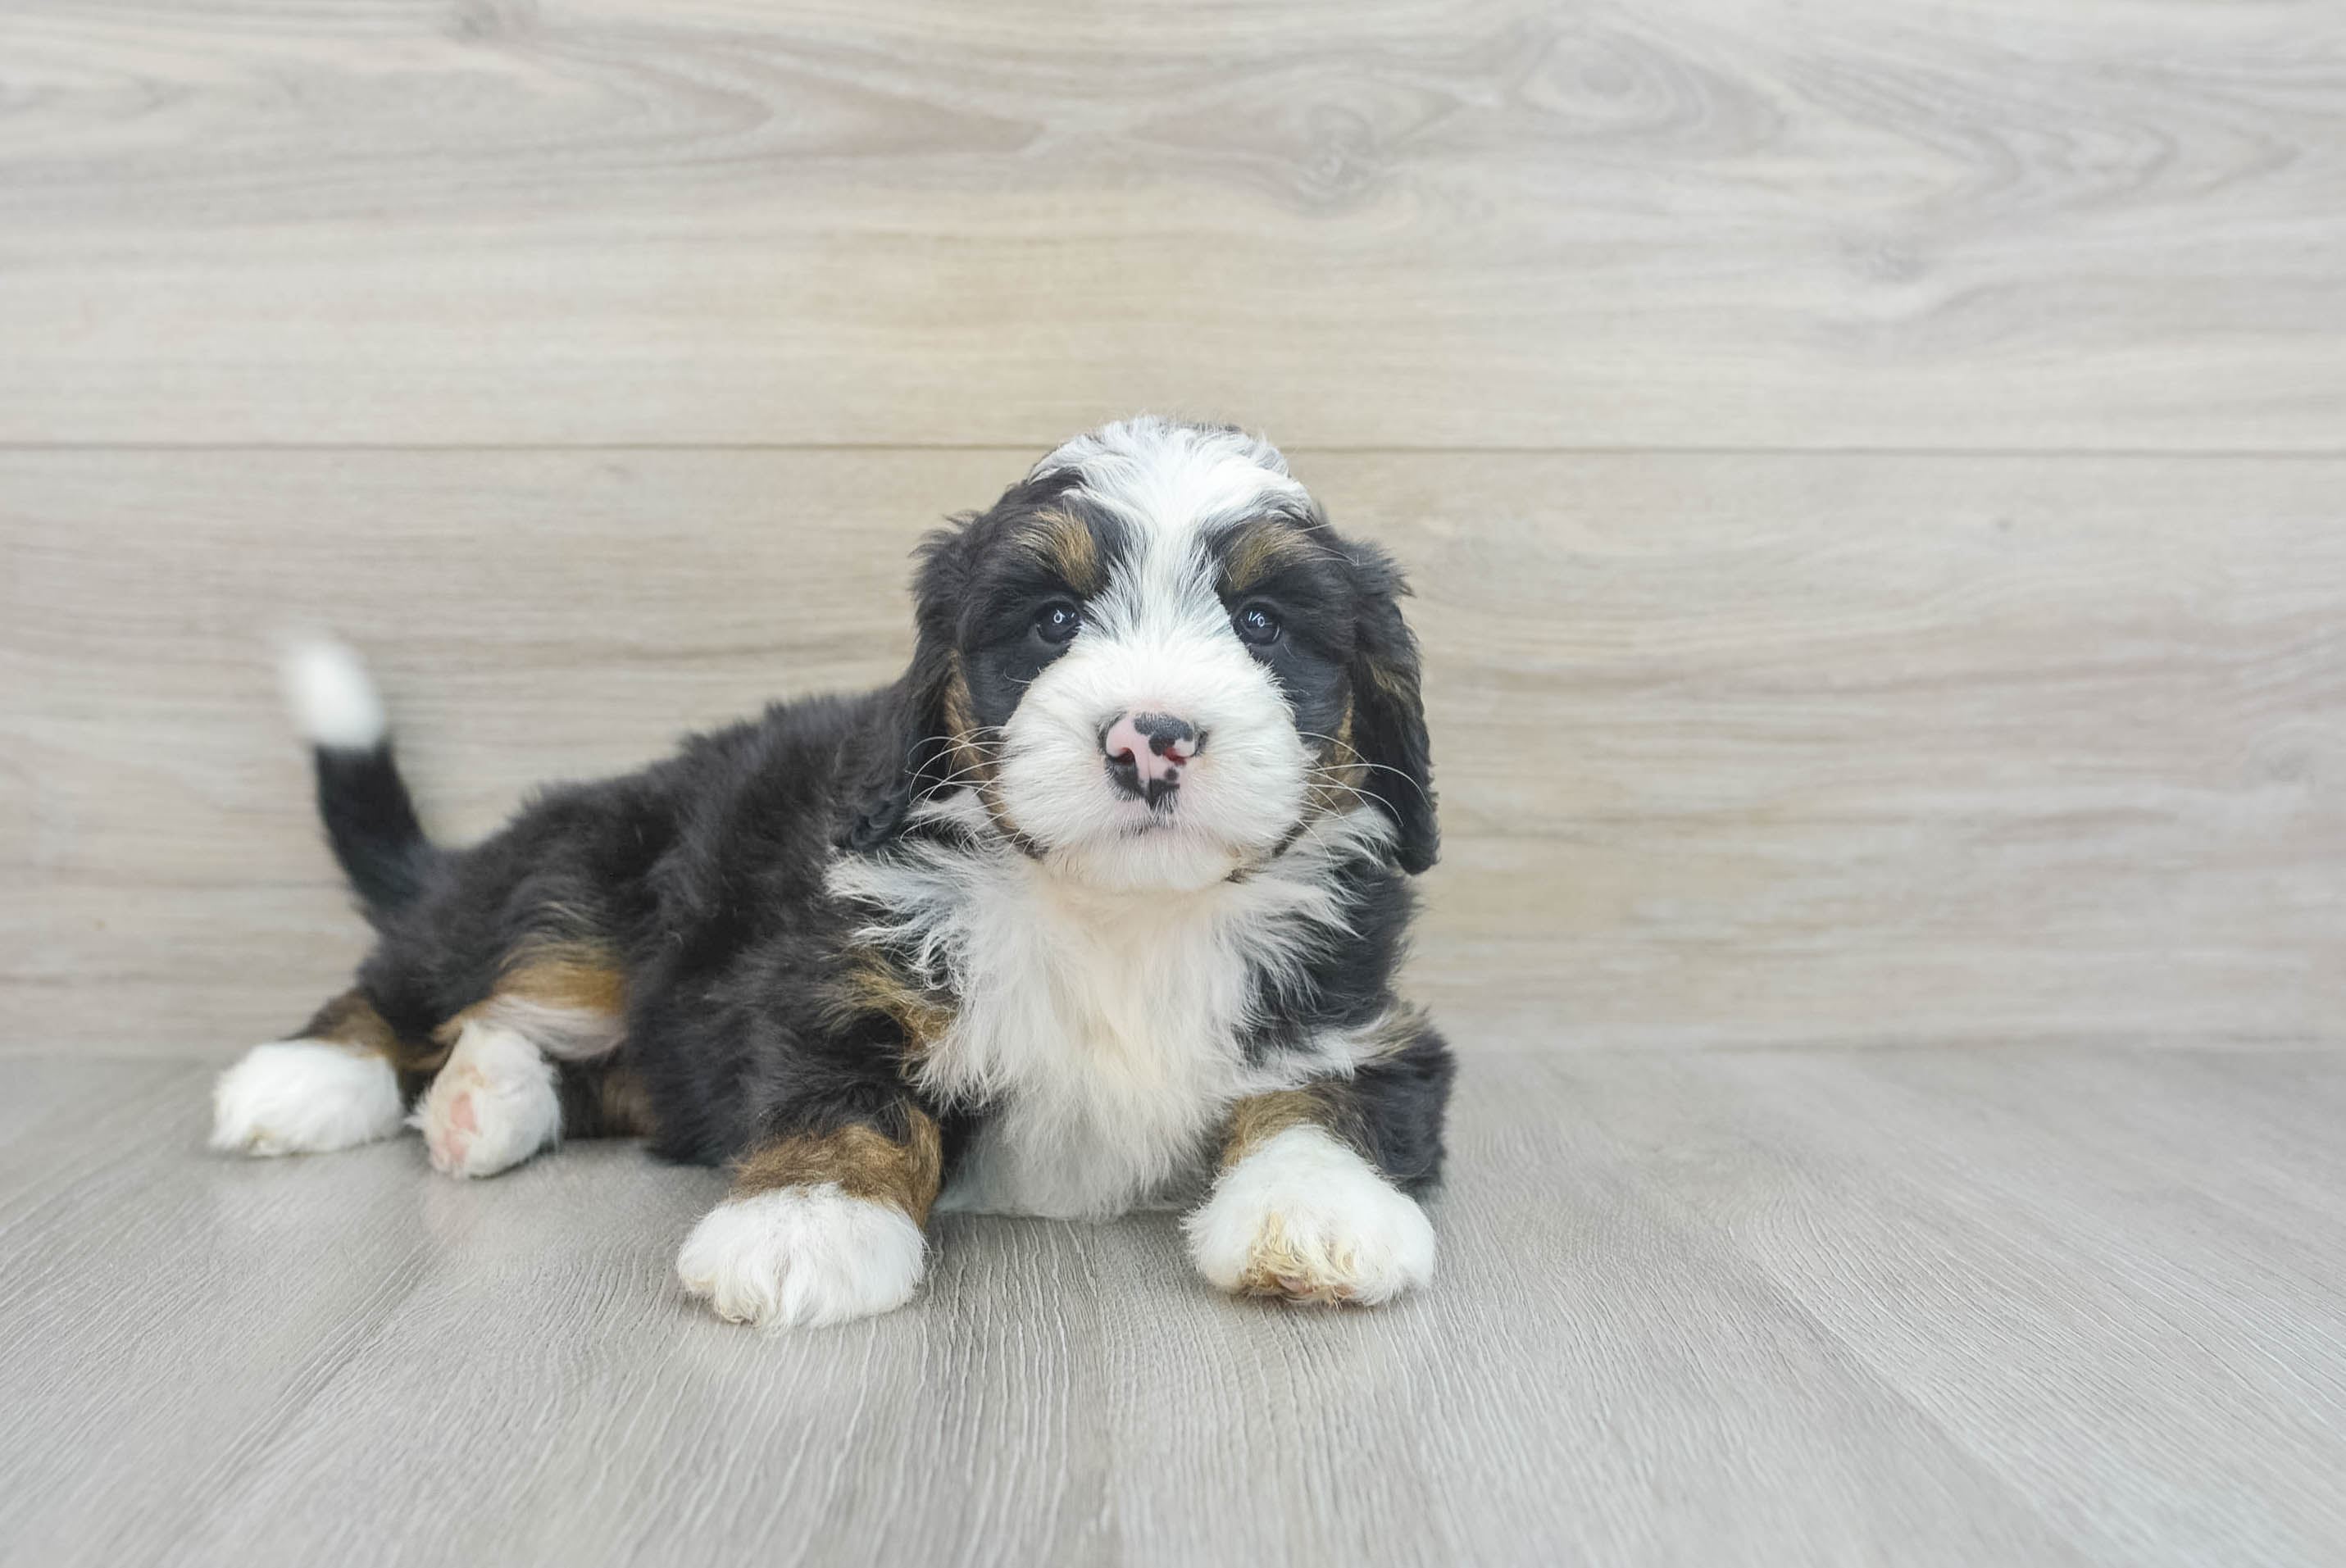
(2054, 1306)
(1874, 476)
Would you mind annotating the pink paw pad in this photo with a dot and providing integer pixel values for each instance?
(492, 1107)
(449, 1135)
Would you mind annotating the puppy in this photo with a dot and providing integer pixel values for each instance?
(1096, 907)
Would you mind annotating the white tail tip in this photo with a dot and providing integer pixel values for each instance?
(334, 704)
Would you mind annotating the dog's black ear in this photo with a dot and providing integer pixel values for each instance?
(1388, 711)
(908, 751)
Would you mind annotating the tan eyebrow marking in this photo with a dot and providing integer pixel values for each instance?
(1253, 551)
(1065, 543)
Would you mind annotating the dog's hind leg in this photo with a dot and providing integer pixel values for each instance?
(334, 1086)
(498, 1100)
(493, 1105)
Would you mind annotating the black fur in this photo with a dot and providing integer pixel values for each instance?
(371, 824)
(1347, 977)
(1389, 711)
(1396, 1108)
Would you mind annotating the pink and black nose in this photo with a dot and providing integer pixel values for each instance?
(1147, 752)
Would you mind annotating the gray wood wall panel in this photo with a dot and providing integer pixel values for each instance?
(1732, 749)
(1875, 476)
(1509, 223)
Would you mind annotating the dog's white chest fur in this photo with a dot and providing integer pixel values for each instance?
(1107, 1048)
(1100, 1032)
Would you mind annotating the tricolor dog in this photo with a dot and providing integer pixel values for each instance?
(1098, 907)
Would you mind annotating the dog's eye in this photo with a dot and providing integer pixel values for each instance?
(1257, 624)
(1057, 621)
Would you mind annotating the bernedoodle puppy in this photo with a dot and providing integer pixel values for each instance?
(1098, 907)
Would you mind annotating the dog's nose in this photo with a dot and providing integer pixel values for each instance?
(1147, 752)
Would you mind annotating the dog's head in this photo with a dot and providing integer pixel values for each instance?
(1156, 664)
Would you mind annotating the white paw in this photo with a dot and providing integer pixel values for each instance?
(1305, 1217)
(492, 1107)
(801, 1257)
(304, 1097)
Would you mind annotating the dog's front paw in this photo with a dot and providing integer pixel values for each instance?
(1304, 1217)
(801, 1257)
(304, 1097)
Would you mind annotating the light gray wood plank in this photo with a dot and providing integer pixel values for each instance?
(163, 1312)
(1502, 223)
(351, 1359)
(1730, 748)
(1912, 1306)
(1595, 1381)
(2071, 1262)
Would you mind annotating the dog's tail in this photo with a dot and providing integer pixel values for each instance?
(360, 796)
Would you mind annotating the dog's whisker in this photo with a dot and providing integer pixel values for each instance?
(1360, 762)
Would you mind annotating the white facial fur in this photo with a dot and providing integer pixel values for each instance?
(1158, 639)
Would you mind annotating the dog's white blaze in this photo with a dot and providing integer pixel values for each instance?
(1101, 1030)
(1172, 479)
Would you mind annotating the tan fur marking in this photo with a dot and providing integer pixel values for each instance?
(876, 985)
(1255, 1121)
(971, 757)
(578, 976)
(1278, 1269)
(351, 1020)
(973, 762)
(864, 1162)
(1257, 549)
(1063, 543)
(583, 978)
(1340, 777)
(969, 760)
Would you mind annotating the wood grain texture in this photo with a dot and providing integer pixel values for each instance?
(1502, 223)
(1874, 479)
(1918, 1305)
(1741, 750)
